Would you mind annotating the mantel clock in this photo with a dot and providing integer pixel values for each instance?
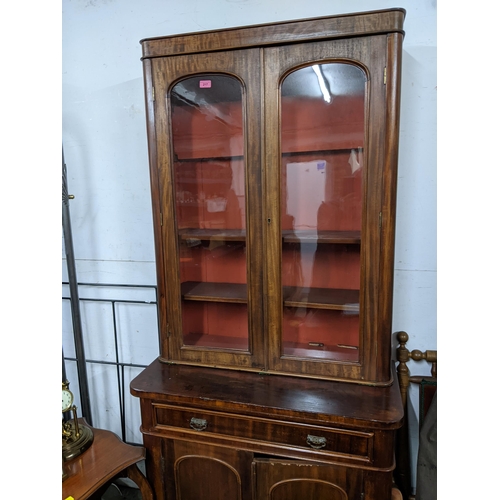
(76, 438)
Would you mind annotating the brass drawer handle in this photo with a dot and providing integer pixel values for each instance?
(198, 424)
(316, 442)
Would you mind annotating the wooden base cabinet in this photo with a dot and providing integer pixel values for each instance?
(218, 434)
(273, 160)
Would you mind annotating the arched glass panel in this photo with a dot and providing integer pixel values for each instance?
(209, 174)
(322, 144)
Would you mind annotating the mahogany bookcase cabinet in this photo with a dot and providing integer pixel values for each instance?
(273, 159)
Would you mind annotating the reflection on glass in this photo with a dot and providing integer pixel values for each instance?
(210, 208)
(322, 140)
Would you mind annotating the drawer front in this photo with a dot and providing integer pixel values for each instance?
(324, 441)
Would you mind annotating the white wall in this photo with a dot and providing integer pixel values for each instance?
(104, 138)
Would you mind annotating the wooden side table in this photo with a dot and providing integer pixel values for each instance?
(107, 458)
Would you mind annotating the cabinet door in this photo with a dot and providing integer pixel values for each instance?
(294, 480)
(207, 125)
(325, 157)
(200, 472)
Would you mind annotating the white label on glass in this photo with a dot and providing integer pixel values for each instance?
(205, 84)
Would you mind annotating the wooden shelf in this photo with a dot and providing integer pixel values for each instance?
(312, 298)
(283, 154)
(319, 151)
(197, 182)
(288, 236)
(203, 340)
(327, 352)
(234, 293)
(208, 158)
(322, 298)
(312, 236)
(213, 234)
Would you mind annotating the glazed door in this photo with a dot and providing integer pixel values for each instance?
(325, 120)
(294, 480)
(207, 121)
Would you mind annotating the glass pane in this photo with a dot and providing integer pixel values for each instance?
(322, 140)
(209, 173)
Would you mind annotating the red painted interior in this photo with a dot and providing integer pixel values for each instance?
(208, 196)
(214, 261)
(215, 324)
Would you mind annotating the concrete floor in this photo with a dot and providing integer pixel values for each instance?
(124, 488)
(119, 491)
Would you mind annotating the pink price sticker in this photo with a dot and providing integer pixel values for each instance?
(205, 84)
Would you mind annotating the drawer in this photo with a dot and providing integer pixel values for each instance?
(256, 431)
